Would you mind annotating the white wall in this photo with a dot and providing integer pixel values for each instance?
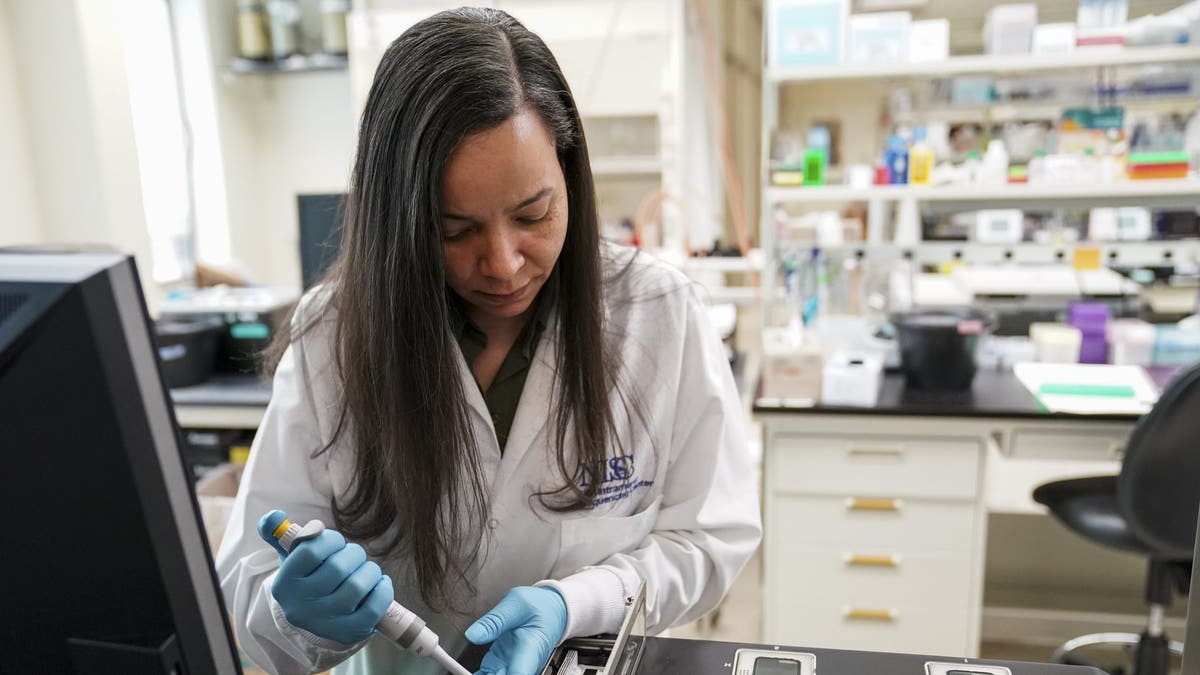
(22, 219)
(73, 95)
(261, 140)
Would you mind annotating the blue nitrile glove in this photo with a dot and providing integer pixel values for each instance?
(524, 628)
(326, 586)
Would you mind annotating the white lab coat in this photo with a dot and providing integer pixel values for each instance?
(682, 515)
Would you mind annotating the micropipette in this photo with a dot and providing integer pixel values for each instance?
(398, 624)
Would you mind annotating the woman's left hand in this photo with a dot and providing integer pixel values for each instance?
(524, 628)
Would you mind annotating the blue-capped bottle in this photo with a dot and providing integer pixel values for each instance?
(897, 160)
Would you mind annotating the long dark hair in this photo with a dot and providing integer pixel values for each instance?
(418, 488)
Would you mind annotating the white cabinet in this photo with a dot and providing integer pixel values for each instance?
(872, 541)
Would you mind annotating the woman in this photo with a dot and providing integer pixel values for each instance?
(497, 406)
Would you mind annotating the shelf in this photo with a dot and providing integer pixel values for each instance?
(1020, 111)
(1150, 193)
(626, 166)
(988, 65)
(293, 64)
(753, 263)
(1112, 253)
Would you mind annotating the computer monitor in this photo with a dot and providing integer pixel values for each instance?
(104, 567)
(321, 219)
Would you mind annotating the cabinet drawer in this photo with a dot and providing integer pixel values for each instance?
(869, 466)
(1071, 444)
(820, 521)
(914, 631)
(875, 578)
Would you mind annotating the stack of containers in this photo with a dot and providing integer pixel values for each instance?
(1055, 342)
(1130, 342)
(1176, 346)
(1091, 318)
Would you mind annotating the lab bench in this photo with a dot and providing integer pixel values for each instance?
(876, 519)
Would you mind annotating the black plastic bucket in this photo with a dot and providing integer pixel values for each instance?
(937, 346)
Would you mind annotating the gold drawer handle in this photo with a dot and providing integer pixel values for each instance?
(892, 453)
(862, 614)
(855, 559)
(867, 504)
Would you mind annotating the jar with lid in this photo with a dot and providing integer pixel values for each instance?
(333, 26)
(253, 36)
(285, 28)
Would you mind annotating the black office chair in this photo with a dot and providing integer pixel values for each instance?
(1148, 509)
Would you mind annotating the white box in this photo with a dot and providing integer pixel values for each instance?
(791, 367)
(1133, 223)
(1102, 224)
(999, 226)
(929, 40)
(852, 379)
(1008, 29)
(881, 37)
(1054, 38)
(807, 32)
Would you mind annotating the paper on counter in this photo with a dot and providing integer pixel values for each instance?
(1088, 389)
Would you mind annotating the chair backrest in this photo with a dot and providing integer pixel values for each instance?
(1159, 487)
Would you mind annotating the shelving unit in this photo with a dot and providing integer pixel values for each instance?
(1155, 193)
(293, 64)
(986, 64)
(1124, 253)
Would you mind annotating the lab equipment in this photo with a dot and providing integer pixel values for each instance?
(253, 30)
(333, 26)
(807, 32)
(791, 366)
(187, 350)
(397, 623)
(523, 630)
(1055, 342)
(938, 346)
(814, 166)
(631, 652)
(928, 40)
(285, 28)
(1091, 318)
(1130, 342)
(251, 316)
(1008, 29)
(1175, 345)
(920, 159)
(1133, 223)
(879, 37)
(896, 158)
(852, 379)
(321, 218)
(1054, 38)
(993, 169)
(91, 438)
(999, 226)
(1157, 165)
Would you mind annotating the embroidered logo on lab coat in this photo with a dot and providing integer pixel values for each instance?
(617, 479)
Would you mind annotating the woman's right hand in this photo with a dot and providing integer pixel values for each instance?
(329, 588)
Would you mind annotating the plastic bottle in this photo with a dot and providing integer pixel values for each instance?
(971, 167)
(920, 159)
(993, 171)
(1037, 167)
(897, 160)
(1191, 140)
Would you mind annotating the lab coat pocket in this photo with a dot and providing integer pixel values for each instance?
(591, 540)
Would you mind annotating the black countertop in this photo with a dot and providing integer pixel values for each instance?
(992, 394)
